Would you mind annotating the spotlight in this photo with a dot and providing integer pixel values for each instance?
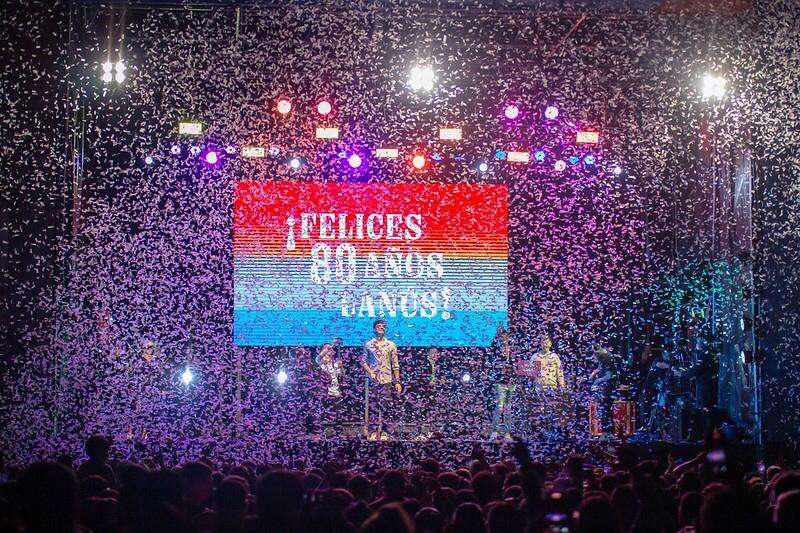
(587, 137)
(187, 376)
(354, 161)
(713, 86)
(560, 166)
(500, 155)
(274, 151)
(294, 163)
(119, 77)
(175, 149)
(327, 133)
(519, 157)
(211, 157)
(194, 150)
(190, 128)
(465, 377)
(589, 159)
(574, 159)
(324, 107)
(107, 66)
(511, 112)
(120, 66)
(421, 78)
(617, 170)
(539, 155)
(107, 77)
(419, 161)
(437, 157)
(230, 150)
(281, 377)
(284, 106)
(483, 167)
(149, 161)
(253, 152)
(387, 153)
(551, 112)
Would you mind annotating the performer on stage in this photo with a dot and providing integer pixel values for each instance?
(551, 373)
(501, 372)
(383, 374)
(331, 366)
(604, 379)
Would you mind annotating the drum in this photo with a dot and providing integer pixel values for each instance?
(622, 412)
(595, 427)
(624, 415)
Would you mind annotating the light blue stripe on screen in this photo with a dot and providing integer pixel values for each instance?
(315, 327)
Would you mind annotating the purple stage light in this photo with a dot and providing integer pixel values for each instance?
(211, 157)
(560, 166)
(511, 112)
(551, 113)
(354, 160)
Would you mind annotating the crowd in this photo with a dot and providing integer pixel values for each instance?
(711, 493)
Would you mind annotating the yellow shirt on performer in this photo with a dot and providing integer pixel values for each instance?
(551, 375)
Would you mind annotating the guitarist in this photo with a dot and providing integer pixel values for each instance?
(383, 375)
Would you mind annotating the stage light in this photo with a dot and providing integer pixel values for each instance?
(230, 150)
(175, 149)
(519, 157)
(107, 77)
(589, 159)
(284, 106)
(587, 137)
(560, 166)
(574, 159)
(437, 157)
(120, 66)
(324, 107)
(713, 86)
(211, 157)
(274, 151)
(450, 134)
(281, 377)
(187, 376)
(465, 377)
(483, 166)
(540, 155)
(190, 128)
(327, 133)
(421, 78)
(617, 170)
(551, 112)
(511, 112)
(119, 77)
(149, 161)
(194, 150)
(295, 163)
(253, 152)
(500, 155)
(107, 66)
(387, 153)
(354, 161)
(419, 161)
